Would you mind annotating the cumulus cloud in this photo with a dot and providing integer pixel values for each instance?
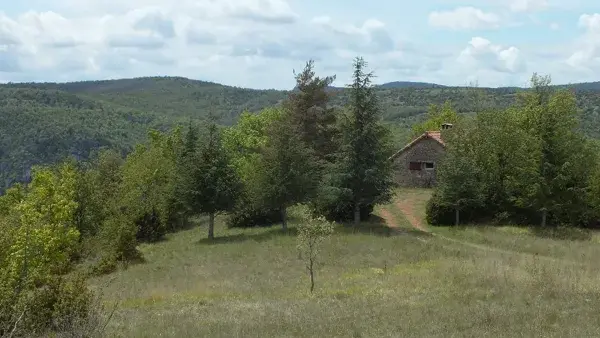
(258, 42)
(484, 54)
(587, 55)
(370, 37)
(464, 18)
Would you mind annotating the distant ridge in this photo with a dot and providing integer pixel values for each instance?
(410, 84)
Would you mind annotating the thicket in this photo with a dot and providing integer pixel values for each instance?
(529, 164)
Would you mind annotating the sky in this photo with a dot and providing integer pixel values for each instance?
(259, 43)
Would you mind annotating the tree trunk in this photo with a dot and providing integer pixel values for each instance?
(284, 217)
(356, 213)
(211, 225)
(456, 216)
(544, 217)
(312, 274)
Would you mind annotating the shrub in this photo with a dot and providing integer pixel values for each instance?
(248, 214)
(53, 307)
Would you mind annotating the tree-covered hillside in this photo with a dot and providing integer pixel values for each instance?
(44, 122)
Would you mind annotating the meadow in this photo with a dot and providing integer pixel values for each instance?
(383, 278)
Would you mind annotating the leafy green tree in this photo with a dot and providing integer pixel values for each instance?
(311, 233)
(287, 175)
(362, 174)
(244, 144)
(460, 182)
(97, 187)
(148, 188)
(563, 172)
(215, 184)
(47, 237)
(436, 116)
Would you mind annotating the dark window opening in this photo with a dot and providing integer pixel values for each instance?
(429, 165)
(414, 166)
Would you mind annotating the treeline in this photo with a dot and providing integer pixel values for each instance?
(80, 219)
(529, 164)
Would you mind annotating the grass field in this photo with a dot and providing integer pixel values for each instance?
(372, 282)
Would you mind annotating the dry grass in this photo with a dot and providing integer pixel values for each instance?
(371, 283)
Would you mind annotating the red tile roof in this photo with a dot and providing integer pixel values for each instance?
(434, 135)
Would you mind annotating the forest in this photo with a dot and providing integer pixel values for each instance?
(107, 178)
(42, 123)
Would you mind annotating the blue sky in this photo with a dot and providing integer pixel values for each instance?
(258, 43)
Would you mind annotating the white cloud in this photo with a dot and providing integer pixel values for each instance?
(481, 53)
(591, 22)
(587, 56)
(464, 18)
(257, 43)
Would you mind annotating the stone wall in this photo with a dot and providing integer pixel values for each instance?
(426, 150)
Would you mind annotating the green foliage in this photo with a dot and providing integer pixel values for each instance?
(528, 163)
(287, 174)
(311, 233)
(310, 114)
(42, 123)
(244, 143)
(38, 242)
(149, 184)
(361, 175)
(214, 183)
(436, 116)
(98, 184)
(460, 179)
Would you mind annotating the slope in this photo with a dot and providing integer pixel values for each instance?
(44, 122)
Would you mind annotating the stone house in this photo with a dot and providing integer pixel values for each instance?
(415, 164)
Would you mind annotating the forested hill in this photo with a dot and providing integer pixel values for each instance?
(44, 122)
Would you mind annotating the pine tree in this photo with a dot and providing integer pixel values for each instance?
(309, 112)
(214, 181)
(363, 167)
(287, 174)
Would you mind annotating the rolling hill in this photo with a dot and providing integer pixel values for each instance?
(45, 122)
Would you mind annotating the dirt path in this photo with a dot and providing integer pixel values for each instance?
(390, 220)
(407, 209)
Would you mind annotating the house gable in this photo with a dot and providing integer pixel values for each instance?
(415, 164)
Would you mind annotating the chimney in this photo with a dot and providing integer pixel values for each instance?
(446, 126)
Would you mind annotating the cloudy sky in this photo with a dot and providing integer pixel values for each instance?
(258, 43)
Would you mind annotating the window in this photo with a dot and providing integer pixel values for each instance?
(421, 165)
(414, 166)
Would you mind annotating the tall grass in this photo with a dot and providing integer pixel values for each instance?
(372, 283)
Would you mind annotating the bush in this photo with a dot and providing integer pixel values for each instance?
(119, 239)
(438, 214)
(53, 307)
(339, 209)
(248, 214)
(150, 228)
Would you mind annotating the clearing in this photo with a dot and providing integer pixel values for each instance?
(373, 281)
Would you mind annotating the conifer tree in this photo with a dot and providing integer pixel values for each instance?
(309, 112)
(214, 181)
(362, 167)
(287, 174)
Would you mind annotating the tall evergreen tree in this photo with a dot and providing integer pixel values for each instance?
(309, 111)
(363, 168)
(214, 180)
(287, 174)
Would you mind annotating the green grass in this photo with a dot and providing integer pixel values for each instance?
(371, 283)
